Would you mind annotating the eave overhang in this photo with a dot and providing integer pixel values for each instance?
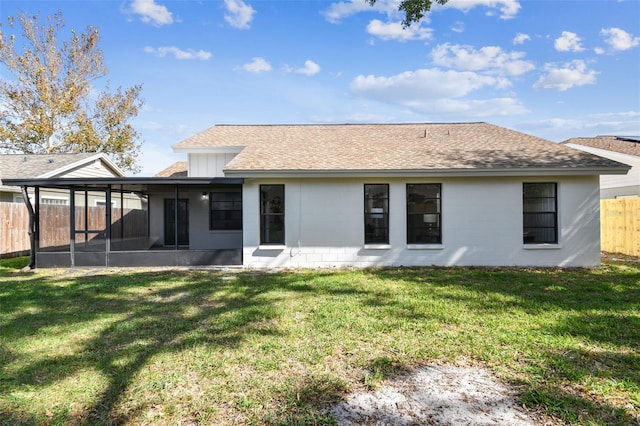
(430, 173)
(208, 150)
(125, 183)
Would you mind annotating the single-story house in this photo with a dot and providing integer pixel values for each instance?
(624, 149)
(355, 195)
(44, 166)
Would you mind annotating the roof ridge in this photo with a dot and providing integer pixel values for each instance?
(456, 123)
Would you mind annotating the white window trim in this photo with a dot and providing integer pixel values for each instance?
(542, 246)
(275, 247)
(53, 197)
(104, 202)
(425, 246)
(377, 246)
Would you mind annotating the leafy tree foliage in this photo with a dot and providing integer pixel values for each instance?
(51, 104)
(414, 10)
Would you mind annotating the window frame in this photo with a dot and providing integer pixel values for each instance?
(369, 233)
(53, 200)
(526, 201)
(236, 205)
(438, 227)
(265, 216)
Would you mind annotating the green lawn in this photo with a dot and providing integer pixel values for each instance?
(223, 347)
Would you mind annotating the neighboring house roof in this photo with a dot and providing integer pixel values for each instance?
(177, 169)
(445, 148)
(629, 145)
(17, 166)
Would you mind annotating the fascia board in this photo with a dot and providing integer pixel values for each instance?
(425, 173)
(84, 162)
(208, 150)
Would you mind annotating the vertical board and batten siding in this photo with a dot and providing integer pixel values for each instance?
(209, 165)
(621, 226)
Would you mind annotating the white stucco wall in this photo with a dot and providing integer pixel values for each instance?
(481, 224)
(200, 237)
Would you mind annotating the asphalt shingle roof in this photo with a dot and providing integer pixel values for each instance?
(609, 143)
(18, 166)
(388, 147)
(177, 169)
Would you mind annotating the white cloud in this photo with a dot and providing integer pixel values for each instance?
(343, 9)
(560, 129)
(434, 91)
(458, 27)
(178, 53)
(151, 12)
(508, 8)
(617, 115)
(619, 39)
(570, 75)
(354, 118)
(489, 58)
(568, 42)
(239, 14)
(520, 38)
(310, 68)
(395, 31)
(257, 66)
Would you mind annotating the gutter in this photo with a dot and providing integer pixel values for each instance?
(585, 171)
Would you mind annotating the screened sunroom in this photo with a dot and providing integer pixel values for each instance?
(135, 221)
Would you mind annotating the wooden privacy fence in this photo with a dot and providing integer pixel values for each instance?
(14, 225)
(620, 226)
(54, 225)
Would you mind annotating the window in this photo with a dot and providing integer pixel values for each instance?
(424, 224)
(225, 209)
(376, 214)
(271, 214)
(56, 201)
(540, 213)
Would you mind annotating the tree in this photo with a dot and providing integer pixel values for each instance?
(51, 104)
(414, 10)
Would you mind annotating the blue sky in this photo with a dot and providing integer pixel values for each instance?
(554, 69)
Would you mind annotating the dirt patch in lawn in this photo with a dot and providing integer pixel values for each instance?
(438, 395)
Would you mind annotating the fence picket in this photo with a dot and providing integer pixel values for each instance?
(620, 226)
(54, 225)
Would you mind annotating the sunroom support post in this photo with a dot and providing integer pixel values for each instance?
(32, 225)
(72, 226)
(175, 217)
(107, 212)
(121, 211)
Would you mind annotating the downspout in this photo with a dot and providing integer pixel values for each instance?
(32, 230)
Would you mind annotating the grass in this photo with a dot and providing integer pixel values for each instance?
(221, 347)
